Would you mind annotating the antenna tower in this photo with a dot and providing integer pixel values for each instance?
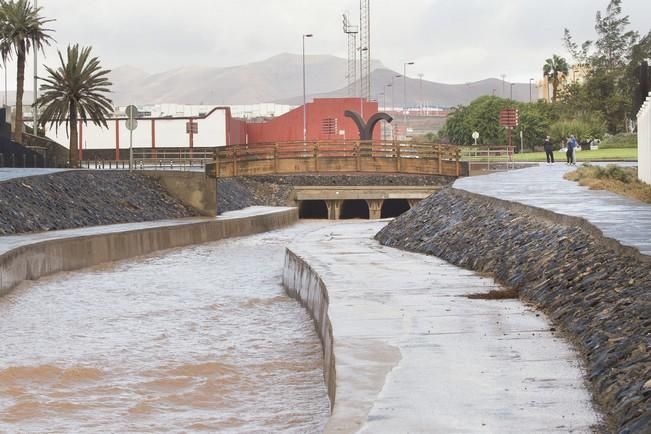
(351, 70)
(365, 47)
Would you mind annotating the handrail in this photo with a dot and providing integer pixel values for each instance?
(335, 156)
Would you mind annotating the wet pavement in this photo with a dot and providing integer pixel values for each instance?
(198, 339)
(414, 355)
(7, 173)
(618, 217)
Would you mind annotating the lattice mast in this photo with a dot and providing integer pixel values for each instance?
(365, 47)
(351, 69)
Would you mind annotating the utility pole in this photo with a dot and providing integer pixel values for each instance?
(404, 94)
(309, 35)
(35, 109)
(503, 77)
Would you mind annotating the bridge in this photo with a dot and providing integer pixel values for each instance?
(360, 157)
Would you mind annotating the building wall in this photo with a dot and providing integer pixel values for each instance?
(155, 132)
(644, 141)
(289, 127)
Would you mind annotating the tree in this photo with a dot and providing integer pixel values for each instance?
(77, 90)
(22, 28)
(555, 68)
(614, 42)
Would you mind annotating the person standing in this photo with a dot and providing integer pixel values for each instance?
(574, 146)
(549, 150)
(569, 153)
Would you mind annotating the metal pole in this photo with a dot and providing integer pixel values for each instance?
(404, 94)
(130, 149)
(5, 67)
(309, 35)
(35, 109)
(530, 81)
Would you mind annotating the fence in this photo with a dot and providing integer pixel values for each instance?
(336, 156)
(644, 141)
(154, 159)
(488, 158)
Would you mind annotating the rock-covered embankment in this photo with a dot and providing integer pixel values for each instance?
(75, 199)
(595, 290)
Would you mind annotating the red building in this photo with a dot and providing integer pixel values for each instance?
(325, 120)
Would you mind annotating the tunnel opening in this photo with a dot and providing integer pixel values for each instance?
(393, 208)
(313, 209)
(354, 209)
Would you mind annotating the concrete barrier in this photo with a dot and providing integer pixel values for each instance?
(304, 284)
(194, 189)
(32, 261)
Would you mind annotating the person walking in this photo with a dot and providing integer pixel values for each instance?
(549, 150)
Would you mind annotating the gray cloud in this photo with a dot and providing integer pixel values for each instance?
(450, 41)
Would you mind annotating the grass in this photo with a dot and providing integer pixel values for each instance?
(613, 154)
(619, 141)
(495, 294)
(620, 180)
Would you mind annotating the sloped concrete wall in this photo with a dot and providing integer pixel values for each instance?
(194, 189)
(304, 284)
(33, 261)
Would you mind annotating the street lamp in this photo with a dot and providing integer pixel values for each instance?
(512, 91)
(309, 35)
(404, 94)
(393, 100)
(530, 82)
(361, 90)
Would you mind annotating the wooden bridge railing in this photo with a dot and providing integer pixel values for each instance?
(340, 156)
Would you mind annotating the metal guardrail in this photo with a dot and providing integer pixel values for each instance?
(489, 158)
(153, 159)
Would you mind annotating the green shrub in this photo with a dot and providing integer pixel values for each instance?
(619, 141)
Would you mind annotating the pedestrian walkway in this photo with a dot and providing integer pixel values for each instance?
(618, 217)
(7, 173)
(414, 355)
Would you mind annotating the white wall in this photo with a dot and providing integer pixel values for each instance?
(644, 141)
(170, 133)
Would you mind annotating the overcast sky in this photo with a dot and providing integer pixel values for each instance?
(452, 41)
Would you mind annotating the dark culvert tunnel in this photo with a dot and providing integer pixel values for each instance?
(354, 209)
(394, 208)
(313, 209)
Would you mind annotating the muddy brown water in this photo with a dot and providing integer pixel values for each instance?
(197, 339)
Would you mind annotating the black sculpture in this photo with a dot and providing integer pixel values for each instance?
(366, 129)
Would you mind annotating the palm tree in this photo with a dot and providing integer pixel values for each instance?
(554, 69)
(77, 90)
(21, 29)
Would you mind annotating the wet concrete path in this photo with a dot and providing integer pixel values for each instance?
(623, 219)
(414, 355)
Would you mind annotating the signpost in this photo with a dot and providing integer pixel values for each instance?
(132, 124)
(509, 119)
(475, 136)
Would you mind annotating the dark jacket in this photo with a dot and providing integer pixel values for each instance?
(548, 146)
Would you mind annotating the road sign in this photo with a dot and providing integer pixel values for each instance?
(132, 124)
(131, 111)
(509, 118)
(191, 127)
(475, 136)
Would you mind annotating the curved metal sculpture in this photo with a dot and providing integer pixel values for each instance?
(366, 129)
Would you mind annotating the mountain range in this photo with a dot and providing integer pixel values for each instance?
(279, 80)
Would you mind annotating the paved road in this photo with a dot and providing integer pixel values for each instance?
(623, 219)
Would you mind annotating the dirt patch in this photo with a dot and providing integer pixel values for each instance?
(495, 294)
(616, 179)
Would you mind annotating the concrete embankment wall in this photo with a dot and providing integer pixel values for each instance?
(594, 289)
(304, 284)
(33, 261)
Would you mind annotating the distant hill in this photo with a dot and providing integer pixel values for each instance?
(279, 80)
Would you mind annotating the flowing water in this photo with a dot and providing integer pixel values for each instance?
(196, 339)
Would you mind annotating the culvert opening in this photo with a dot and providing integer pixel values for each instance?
(354, 209)
(393, 208)
(313, 209)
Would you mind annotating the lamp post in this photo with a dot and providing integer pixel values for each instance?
(393, 99)
(404, 94)
(512, 91)
(530, 82)
(361, 72)
(309, 35)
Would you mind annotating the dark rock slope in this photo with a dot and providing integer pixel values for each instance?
(83, 198)
(597, 291)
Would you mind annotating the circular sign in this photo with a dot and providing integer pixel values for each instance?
(132, 124)
(131, 111)
(475, 135)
